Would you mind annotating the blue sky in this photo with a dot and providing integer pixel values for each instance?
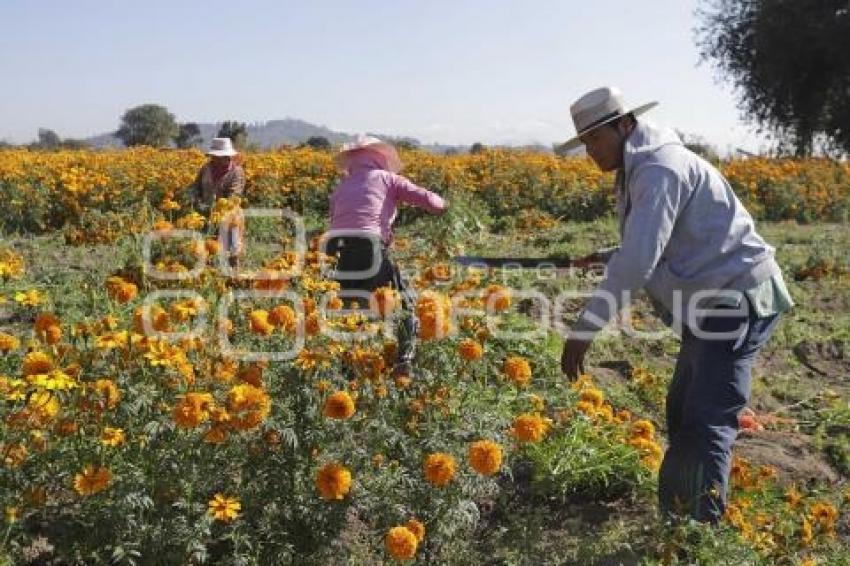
(459, 71)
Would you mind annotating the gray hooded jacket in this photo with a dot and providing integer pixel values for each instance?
(683, 232)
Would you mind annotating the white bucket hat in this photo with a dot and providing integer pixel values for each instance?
(596, 108)
(221, 147)
(370, 143)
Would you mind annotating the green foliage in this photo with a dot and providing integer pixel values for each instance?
(788, 61)
(148, 124)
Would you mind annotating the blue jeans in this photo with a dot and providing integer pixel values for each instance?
(710, 386)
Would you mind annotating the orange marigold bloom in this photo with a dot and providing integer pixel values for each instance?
(8, 343)
(37, 362)
(248, 405)
(439, 468)
(339, 405)
(108, 392)
(192, 409)
(593, 396)
(92, 480)
(643, 429)
(470, 350)
(518, 370)
(485, 457)
(417, 528)
(333, 481)
(260, 324)
(384, 301)
(497, 297)
(530, 427)
(401, 543)
(284, 317)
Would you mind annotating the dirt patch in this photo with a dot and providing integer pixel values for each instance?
(792, 454)
(827, 359)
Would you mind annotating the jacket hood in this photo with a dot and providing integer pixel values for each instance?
(645, 140)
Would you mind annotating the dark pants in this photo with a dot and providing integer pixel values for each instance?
(356, 254)
(710, 386)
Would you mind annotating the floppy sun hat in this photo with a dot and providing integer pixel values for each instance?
(386, 151)
(221, 147)
(597, 108)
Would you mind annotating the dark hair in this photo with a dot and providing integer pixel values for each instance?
(616, 122)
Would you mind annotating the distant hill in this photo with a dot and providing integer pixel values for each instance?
(291, 131)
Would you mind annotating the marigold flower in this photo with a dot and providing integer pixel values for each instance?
(333, 482)
(248, 405)
(8, 343)
(112, 436)
(384, 301)
(108, 392)
(417, 528)
(339, 405)
(37, 362)
(439, 469)
(592, 396)
(284, 317)
(470, 350)
(92, 480)
(224, 508)
(192, 409)
(259, 321)
(497, 297)
(485, 457)
(401, 543)
(518, 370)
(530, 427)
(643, 429)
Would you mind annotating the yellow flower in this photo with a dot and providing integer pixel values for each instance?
(384, 301)
(824, 514)
(401, 543)
(592, 396)
(248, 405)
(518, 370)
(339, 405)
(333, 481)
(530, 427)
(643, 429)
(224, 508)
(497, 297)
(92, 480)
(260, 323)
(112, 437)
(439, 469)
(8, 343)
(108, 392)
(37, 362)
(192, 409)
(31, 298)
(470, 350)
(485, 457)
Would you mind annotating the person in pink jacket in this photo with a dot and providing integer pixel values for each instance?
(362, 210)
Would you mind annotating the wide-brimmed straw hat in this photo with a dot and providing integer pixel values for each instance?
(221, 147)
(597, 108)
(386, 151)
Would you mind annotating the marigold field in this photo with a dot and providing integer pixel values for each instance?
(163, 410)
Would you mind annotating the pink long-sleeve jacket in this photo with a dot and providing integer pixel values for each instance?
(367, 198)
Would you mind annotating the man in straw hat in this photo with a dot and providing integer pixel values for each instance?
(688, 241)
(220, 177)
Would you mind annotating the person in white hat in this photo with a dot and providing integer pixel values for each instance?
(363, 207)
(220, 177)
(688, 242)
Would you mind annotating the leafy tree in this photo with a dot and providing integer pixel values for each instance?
(48, 139)
(318, 142)
(477, 147)
(236, 131)
(789, 63)
(148, 124)
(188, 135)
